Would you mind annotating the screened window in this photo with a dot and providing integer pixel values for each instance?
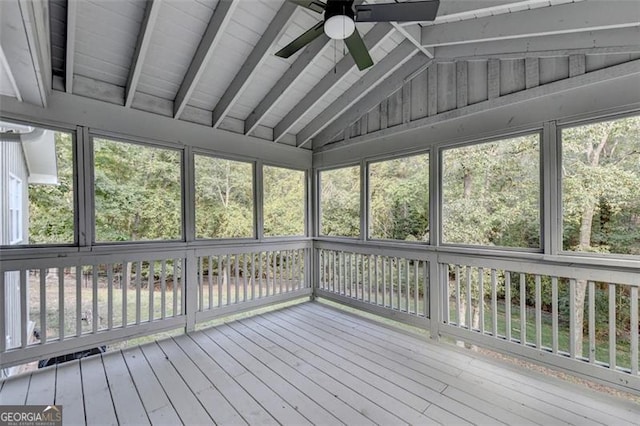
(15, 210)
(37, 178)
(399, 199)
(224, 198)
(340, 202)
(600, 187)
(491, 193)
(284, 203)
(138, 195)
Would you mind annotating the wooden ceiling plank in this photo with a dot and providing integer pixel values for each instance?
(253, 62)
(372, 39)
(219, 21)
(560, 19)
(142, 46)
(376, 74)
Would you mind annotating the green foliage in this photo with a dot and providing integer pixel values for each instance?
(224, 198)
(399, 198)
(491, 193)
(284, 204)
(137, 192)
(51, 206)
(340, 202)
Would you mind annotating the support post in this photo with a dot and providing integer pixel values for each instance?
(191, 290)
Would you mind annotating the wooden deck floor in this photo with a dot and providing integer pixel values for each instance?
(307, 364)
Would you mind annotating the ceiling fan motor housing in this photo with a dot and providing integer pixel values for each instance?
(339, 19)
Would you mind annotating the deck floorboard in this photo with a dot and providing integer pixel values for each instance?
(308, 364)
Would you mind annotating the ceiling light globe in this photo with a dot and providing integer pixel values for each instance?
(339, 27)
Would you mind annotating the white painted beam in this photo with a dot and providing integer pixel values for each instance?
(254, 60)
(392, 83)
(372, 39)
(35, 17)
(561, 19)
(142, 46)
(612, 40)
(551, 89)
(8, 75)
(72, 8)
(412, 33)
(217, 25)
(374, 76)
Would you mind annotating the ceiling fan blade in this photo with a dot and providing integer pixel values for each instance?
(315, 5)
(358, 51)
(301, 41)
(417, 11)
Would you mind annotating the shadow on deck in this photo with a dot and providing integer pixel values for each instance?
(307, 363)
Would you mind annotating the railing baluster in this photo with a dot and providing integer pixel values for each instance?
(174, 287)
(523, 309)
(634, 331)
(481, 298)
(349, 273)
(151, 285)
(253, 276)
(210, 279)
(260, 277)
(23, 308)
(78, 301)
(507, 304)
(384, 281)
(43, 306)
(125, 283)
(407, 280)
(468, 318)
(335, 265)
(592, 322)
(201, 283)
(554, 314)
(425, 289)
(61, 325)
(416, 283)
(612, 326)
(572, 319)
(138, 291)
(458, 305)
(244, 276)
(109, 296)
(163, 286)
(227, 270)
(94, 312)
(538, 311)
(494, 303)
(236, 262)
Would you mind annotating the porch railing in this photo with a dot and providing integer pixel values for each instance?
(53, 306)
(573, 316)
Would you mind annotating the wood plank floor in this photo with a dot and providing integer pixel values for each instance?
(307, 364)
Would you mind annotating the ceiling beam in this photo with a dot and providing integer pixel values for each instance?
(4, 66)
(385, 89)
(72, 9)
(550, 89)
(142, 46)
(252, 63)
(372, 39)
(367, 82)
(623, 39)
(561, 19)
(217, 25)
(412, 33)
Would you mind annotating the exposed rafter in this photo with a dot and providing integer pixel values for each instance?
(385, 89)
(367, 82)
(142, 46)
(4, 66)
(219, 21)
(560, 19)
(251, 64)
(612, 40)
(412, 33)
(372, 39)
(72, 8)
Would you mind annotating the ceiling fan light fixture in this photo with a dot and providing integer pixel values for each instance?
(339, 27)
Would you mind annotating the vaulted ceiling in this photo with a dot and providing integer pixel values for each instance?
(212, 62)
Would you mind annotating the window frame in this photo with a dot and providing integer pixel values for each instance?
(368, 213)
(76, 154)
(91, 185)
(254, 191)
(305, 227)
(318, 200)
(559, 210)
(541, 190)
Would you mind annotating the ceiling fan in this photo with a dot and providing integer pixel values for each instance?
(340, 17)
